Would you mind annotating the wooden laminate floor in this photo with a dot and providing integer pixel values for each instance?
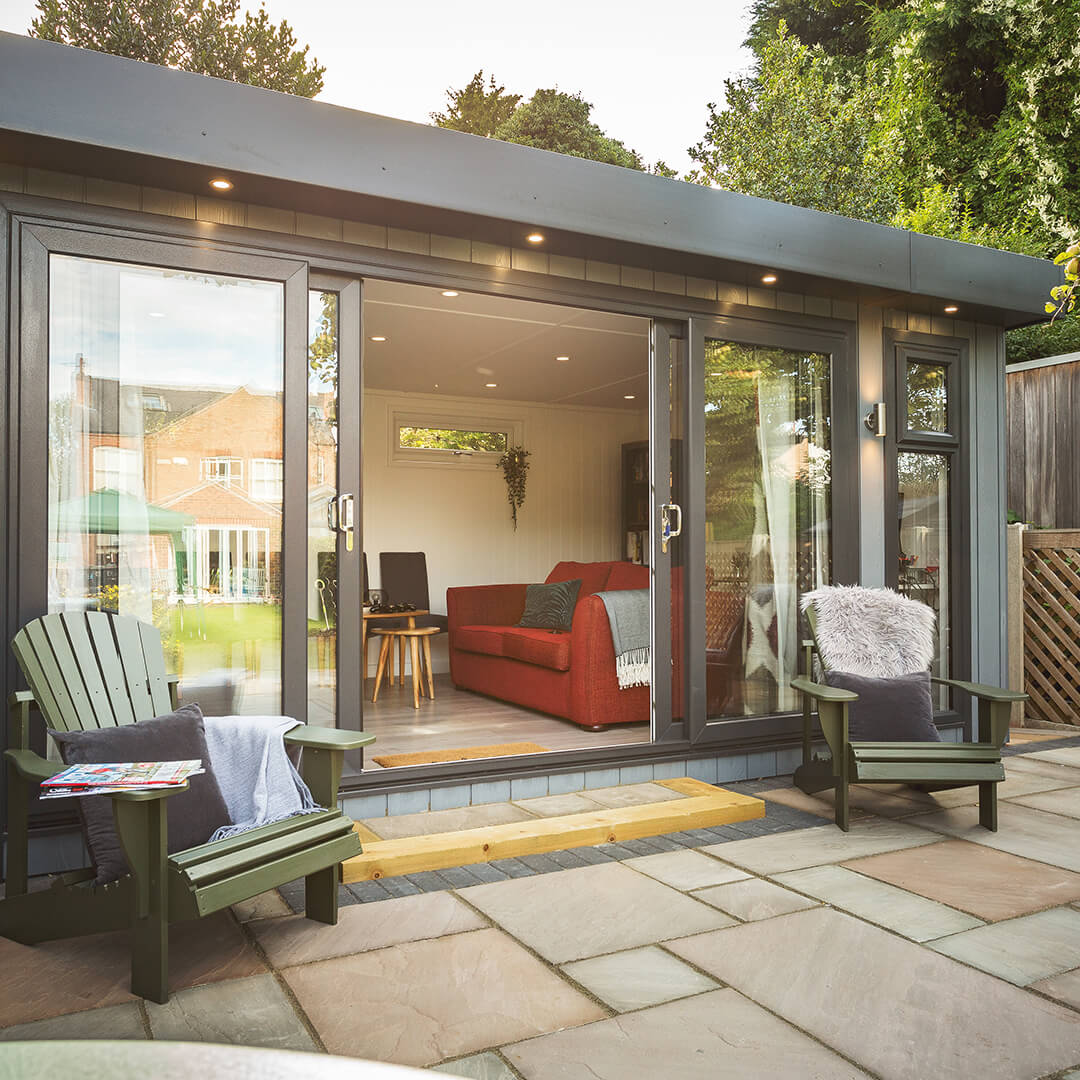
(460, 718)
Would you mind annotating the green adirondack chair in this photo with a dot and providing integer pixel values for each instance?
(931, 765)
(93, 670)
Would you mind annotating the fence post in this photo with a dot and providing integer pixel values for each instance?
(1014, 602)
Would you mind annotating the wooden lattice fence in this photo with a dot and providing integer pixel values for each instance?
(1052, 624)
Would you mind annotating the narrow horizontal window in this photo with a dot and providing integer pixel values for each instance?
(453, 440)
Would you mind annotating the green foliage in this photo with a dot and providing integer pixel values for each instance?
(476, 108)
(798, 131)
(322, 347)
(549, 120)
(840, 27)
(514, 463)
(204, 36)
(1064, 298)
(1047, 339)
(452, 439)
(553, 120)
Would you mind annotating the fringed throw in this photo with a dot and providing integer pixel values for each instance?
(628, 616)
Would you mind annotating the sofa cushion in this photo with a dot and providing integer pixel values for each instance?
(540, 647)
(900, 709)
(479, 639)
(594, 575)
(550, 606)
(627, 575)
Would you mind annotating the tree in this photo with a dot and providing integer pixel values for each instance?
(204, 36)
(477, 109)
(840, 27)
(798, 131)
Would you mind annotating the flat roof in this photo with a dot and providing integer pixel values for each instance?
(92, 113)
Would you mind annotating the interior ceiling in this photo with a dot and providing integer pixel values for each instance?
(437, 344)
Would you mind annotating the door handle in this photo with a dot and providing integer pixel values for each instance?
(345, 518)
(667, 530)
(332, 514)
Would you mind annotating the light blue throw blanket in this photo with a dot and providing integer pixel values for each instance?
(628, 614)
(258, 782)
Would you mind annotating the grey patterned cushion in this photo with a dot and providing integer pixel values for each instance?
(889, 710)
(550, 607)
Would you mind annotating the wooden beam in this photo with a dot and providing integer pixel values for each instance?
(439, 851)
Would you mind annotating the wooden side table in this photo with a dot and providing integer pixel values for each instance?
(419, 639)
(409, 616)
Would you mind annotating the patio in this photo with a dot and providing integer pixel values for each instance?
(916, 945)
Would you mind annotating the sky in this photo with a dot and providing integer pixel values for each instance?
(648, 69)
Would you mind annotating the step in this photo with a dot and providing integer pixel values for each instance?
(705, 806)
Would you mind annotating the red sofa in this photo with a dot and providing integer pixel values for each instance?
(571, 675)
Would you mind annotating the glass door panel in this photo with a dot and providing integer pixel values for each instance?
(165, 387)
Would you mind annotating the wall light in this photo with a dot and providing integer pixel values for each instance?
(219, 183)
(875, 419)
(535, 238)
(378, 339)
(768, 279)
(491, 385)
(951, 309)
(449, 292)
(562, 359)
(629, 397)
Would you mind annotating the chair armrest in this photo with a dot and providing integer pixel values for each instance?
(148, 795)
(821, 692)
(318, 738)
(979, 690)
(173, 683)
(30, 766)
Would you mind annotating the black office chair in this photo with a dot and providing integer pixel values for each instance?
(405, 580)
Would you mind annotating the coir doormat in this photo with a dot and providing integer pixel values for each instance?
(467, 753)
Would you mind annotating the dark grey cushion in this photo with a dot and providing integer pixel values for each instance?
(550, 607)
(193, 815)
(889, 710)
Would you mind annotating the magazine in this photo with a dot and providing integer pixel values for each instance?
(118, 776)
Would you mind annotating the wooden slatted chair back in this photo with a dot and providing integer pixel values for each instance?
(90, 669)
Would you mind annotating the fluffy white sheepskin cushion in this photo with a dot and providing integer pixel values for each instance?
(874, 632)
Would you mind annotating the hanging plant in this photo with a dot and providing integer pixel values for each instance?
(514, 463)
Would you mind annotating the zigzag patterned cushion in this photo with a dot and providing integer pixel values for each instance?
(550, 607)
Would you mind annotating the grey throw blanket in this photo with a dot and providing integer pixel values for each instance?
(259, 783)
(628, 614)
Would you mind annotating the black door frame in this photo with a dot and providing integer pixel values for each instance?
(837, 339)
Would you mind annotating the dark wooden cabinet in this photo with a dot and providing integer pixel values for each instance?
(635, 501)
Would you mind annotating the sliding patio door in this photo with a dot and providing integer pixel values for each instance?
(772, 419)
(163, 454)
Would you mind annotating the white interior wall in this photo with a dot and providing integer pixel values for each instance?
(459, 515)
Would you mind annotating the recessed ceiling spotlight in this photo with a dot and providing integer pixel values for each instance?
(491, 385)
(535, 238)
(219, 183)
(768, 279)
(378, 338)
(449, 292)
(951, 309)
(156, 314)
(562, 359)
(629, 397)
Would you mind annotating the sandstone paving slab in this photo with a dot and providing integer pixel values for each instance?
(754, 899)
(362, 927)
(632, 794)
(1064, 755)
(1022, 950)
(1065, 801)
(440, 821)
(573, 802)
(571, 914)
(638, 978)
(267, 905)
(1030, 765)
(896, 909)
(1032, 834)
(111, 1022)
(815, 847)
(246, 1012)
(485, 1066)
(981, 880)
(1065, 987)
(809, 804)
(70, 974)
(715, 1036)
(422, 1002)
(919, 1014)
(687, 869)
(1015, 783)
